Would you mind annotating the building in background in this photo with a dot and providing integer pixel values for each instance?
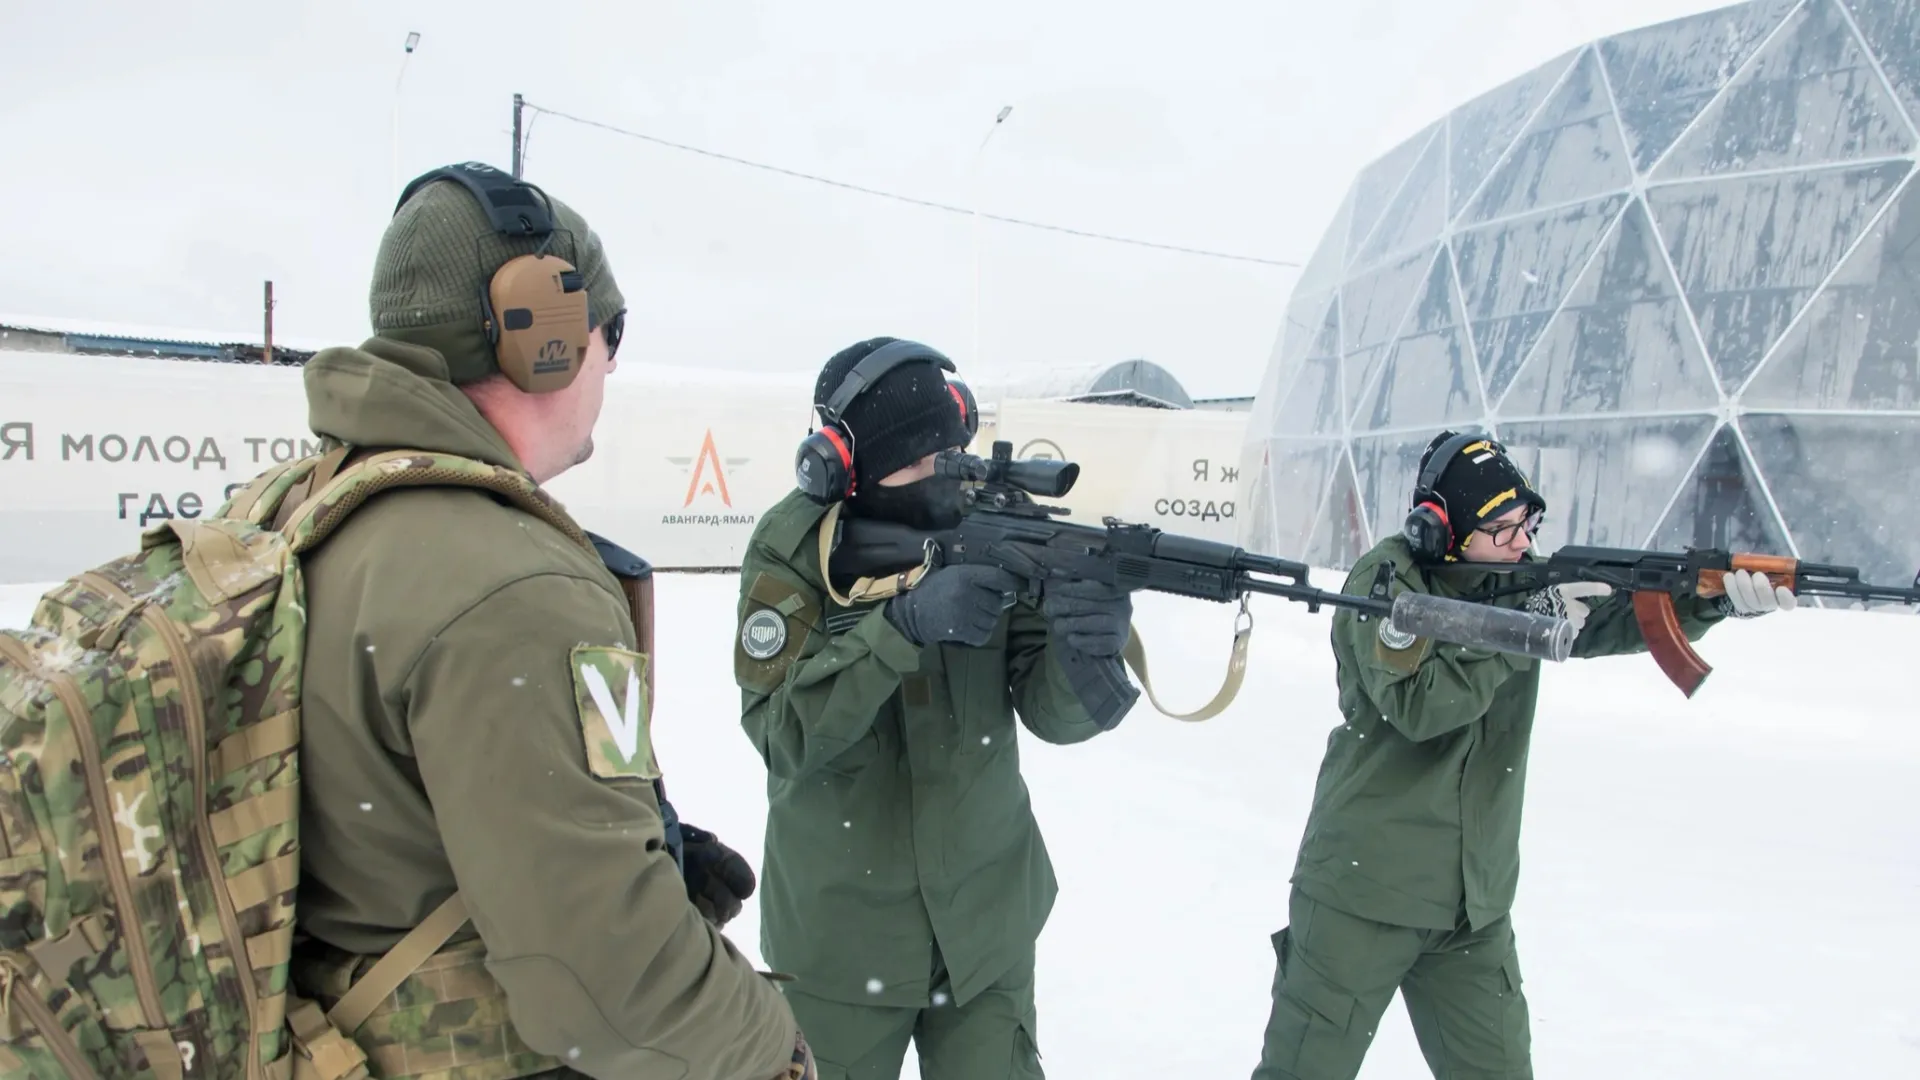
(1138, 383)
(33, 333)
(1676, 270)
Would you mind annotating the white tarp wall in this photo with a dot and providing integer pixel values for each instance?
(1175, 469)
(92, 449)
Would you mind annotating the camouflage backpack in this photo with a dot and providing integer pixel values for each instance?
(149, 796)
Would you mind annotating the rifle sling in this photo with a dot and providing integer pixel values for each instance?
(1136, 657)
(865, 588)
(1135, 653)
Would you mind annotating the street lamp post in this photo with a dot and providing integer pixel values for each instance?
(978, 155)
(413, 41)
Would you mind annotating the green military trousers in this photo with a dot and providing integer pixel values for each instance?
(1336, 976)
(991, 1037)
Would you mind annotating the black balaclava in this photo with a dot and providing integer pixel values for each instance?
(902, 417)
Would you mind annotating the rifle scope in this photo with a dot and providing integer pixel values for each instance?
(1044, 477)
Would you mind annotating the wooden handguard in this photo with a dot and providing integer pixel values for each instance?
(1780, 570)
(1660, 628)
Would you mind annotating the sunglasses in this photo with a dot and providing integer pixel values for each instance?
(615, 326)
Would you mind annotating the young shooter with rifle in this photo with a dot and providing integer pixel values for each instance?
(1408, 866)
(906, 881)
(889, 630)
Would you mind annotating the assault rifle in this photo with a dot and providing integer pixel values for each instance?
(1658, 578)
(1003, 526)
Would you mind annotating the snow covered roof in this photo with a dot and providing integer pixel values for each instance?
(162, 335)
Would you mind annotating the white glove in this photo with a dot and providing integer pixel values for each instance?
(1567, 601)
(1750, 595)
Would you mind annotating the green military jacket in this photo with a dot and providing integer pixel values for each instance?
(897, 816)
(1416, 812)
(453, 736)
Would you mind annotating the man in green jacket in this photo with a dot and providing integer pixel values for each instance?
(475, 712)
(1411, 854)
(905, 881)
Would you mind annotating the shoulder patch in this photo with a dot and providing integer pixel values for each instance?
(616, 719)
(763, 634)
(1398, 650)
(1393, 637)
(778, 622)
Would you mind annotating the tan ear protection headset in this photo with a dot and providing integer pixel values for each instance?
(535, 305)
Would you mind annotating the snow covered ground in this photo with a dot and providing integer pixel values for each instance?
(1727, 887)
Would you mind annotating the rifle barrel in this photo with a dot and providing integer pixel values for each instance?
(1313, 597)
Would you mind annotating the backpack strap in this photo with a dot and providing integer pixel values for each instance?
(318, 476)
(316, 516)
(402, 960)
(323, 1043)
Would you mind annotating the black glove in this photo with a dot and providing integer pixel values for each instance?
(1090, 616)
(961, 604)
(718, 879)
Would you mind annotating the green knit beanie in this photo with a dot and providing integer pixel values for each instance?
(439, 253)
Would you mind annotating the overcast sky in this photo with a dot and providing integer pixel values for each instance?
(161, 161)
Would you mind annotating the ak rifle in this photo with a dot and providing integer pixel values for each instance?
(1657, 579)
(1001, 525)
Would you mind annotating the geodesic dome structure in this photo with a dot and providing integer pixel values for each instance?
(1675, 270)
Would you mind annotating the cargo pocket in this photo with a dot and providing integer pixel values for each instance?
(1311, 1017)
(1026, 1054)
(1516, 1030)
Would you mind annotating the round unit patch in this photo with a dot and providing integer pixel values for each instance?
(1393, 637)
(763, 634)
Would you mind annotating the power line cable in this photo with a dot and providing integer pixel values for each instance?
(909, 199)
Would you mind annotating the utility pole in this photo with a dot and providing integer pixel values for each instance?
(999, 118)
(269, 350)
(413, 42)
(518, 104)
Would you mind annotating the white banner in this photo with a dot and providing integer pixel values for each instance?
(1174, 469)
(94, 449)
(681, 470)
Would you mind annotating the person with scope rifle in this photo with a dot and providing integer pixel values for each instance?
(905, 881)
(1408, 865)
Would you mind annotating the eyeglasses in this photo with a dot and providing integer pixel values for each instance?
(1502, 535)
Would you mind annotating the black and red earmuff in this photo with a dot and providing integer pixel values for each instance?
(823, 465)
(1428, 529)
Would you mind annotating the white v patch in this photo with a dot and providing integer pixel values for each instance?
(622, 724)
(618, 742)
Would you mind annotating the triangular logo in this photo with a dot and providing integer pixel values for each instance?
(717, 484)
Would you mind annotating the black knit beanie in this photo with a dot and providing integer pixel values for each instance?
(1479, 484)
(902, 417)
